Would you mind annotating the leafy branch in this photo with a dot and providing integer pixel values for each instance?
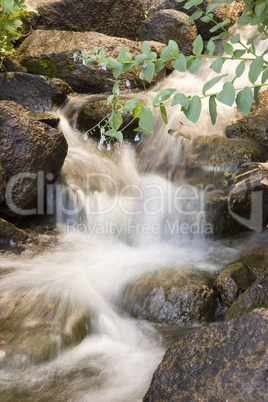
(255, 13)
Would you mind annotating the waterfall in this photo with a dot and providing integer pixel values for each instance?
(118, 219)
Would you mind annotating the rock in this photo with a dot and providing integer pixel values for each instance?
(255, 125)
(94, 112)
(173, 298)
(31, 154)
(234, 279)
(220, 362)
(111, 17)
(9, 232)
(170, 24)
(32, 91)
(221, 13)
(45, 117)
(50, 53)
(254, 297)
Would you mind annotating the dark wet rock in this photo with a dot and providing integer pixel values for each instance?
(9, 232)
(45, 117)
(224, 361)
(254, 297)
(51, 53)
(233, 280)
(35, 328)
(255, 125)
(26, 148)
(111, 17)
(32, 91)
(221, 13)
(92, 113)
(172, 298)
(170, 24)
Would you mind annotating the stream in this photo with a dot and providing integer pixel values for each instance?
(71, 340)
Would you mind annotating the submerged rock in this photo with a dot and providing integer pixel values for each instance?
(51, 53)
(112, 17)
(224, 361)
(170, 24)
(173, 298)
(32, 91)
(31, 154)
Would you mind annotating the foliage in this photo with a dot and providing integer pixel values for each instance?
(10, 22)
(255, 14)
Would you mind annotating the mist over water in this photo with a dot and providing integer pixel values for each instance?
(119, 219)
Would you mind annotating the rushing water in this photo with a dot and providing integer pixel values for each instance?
(116, 223)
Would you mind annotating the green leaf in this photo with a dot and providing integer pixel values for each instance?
(244, 20)
(180, 63)
(112, 63)
(244, 100)
(130, 104)
(101, 54)
(175, 48)
(139, 58)
(228, 48)
(159, 65)
(217, 65)
(163, 114)
(163, 95)
(110, 99)
(198, 45)
(239, 53)
(146, 121)
(240, 69)
(220, 25)
(195, 16)
(115, 120)
(166, 52)
(213, 109)
(117, 70)
(210, 47)
(256, 95)
(227, 94)
(209, 84)
(119, 136)
(124, 56)
(148, 71)
(137, 110)
(114, 134)
(255, 69)
(194, 109)
(197, 63)
(259, 8)
(146, 49)
(127, 66)
(264, 77)
(181, 99)
(207, 18)
(235, 39)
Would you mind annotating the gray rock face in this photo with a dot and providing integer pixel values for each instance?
(225, 361)
(31, 91)
(120, 18)
(50, 53)
(172, 298)
(26, 148)
(170, 24)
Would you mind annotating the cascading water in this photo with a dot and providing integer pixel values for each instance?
(116, 223)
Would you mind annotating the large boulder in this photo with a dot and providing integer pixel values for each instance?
(254, 297)
(170, 24)
(221, 13)
(220, 362)
(120, 18)
(51, 53)
(9, 233)
(31, 154)
(172, 297)
(255, 125)
(32, 91)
